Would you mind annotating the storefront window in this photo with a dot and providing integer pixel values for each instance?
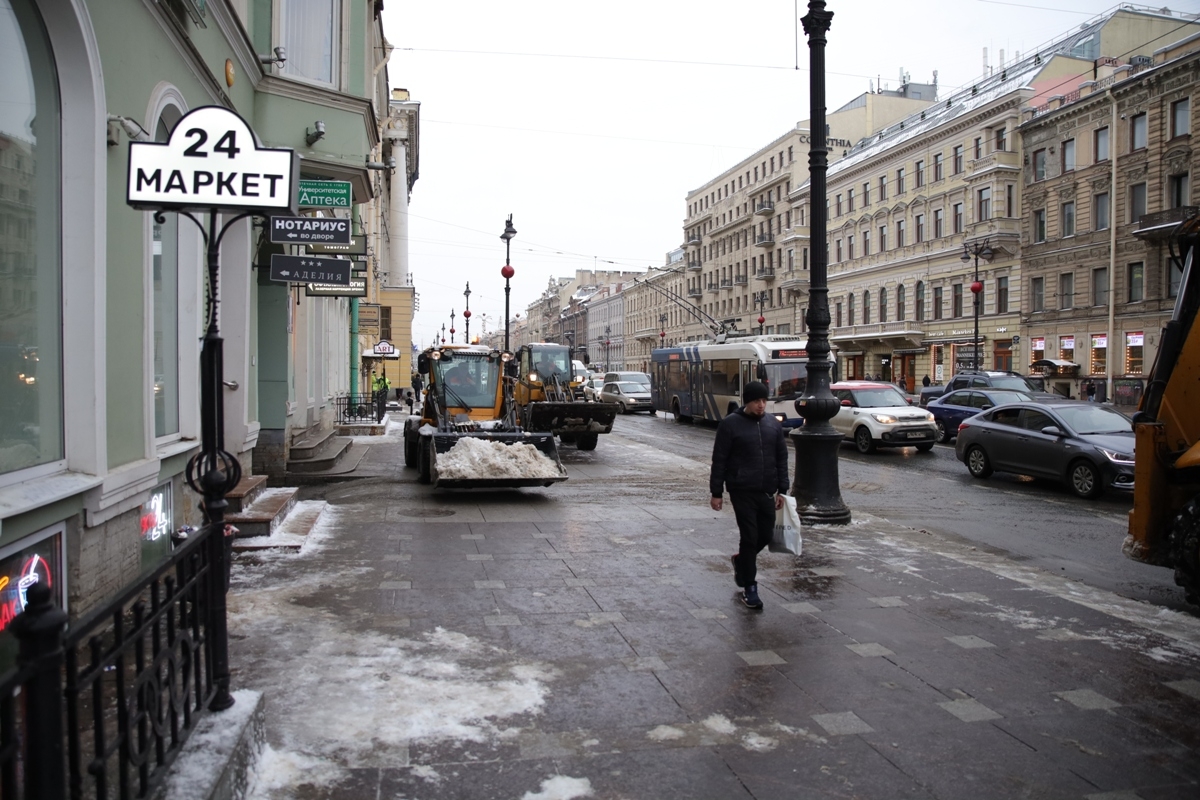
(1037, 348)
(1066, 348)
(31, 404)
(1099, 353)
(1133, 353)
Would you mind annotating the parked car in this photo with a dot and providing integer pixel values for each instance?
(980, 379)
(592, 387)
(1085, 445)
(637, 377)
(629, 395)
(951, 409)
(877, 415)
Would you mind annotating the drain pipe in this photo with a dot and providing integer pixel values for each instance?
(1112, 250)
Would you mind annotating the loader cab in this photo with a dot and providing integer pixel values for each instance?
(466, 380)
(541, 364)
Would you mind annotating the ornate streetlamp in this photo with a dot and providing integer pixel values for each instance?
(507, 271)
(662, 329)
(443, 333)
(452, 326)
(467, 315)
(760, 301)
(816, 487)
(607, 342)
(977, 250)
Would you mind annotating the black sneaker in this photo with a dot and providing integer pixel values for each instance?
(736, 579)
(749, 597)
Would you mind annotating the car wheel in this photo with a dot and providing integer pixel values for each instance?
(624, 410)
(425, 460)
(863, 440)
(943, 435)
(925, 448)
(675, 411)
(411, 457)
(1084, 479)
(977, 462)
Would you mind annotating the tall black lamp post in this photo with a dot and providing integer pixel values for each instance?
(977, 250)
(507, 271)
(760, 301)
(443, 333)
(607, 342)
(467, 315)
(452, 326)
(816, 487)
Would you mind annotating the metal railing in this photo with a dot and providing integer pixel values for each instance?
(107, 703)
(361, 409)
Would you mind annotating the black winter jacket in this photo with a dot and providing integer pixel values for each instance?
(749, 455)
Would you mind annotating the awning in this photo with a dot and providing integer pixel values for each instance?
(1056, 363)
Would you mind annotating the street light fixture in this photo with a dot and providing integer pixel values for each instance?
(452, 326)
(443, 333)
(607, 342)
(977, 250)
(467, 315)
(816, 487)
(507, 271)
(760, 300)
(662, 329)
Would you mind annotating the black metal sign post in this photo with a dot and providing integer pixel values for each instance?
(212, 163)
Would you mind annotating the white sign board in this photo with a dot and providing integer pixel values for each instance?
(212, 160)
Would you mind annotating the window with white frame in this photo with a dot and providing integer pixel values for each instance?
(311, 31)
(1100, 211)
(165, 292)
(1068, 219)
(1181, 117)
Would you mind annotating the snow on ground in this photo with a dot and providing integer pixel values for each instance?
(209, 747)
(560, 787)
(480, 458)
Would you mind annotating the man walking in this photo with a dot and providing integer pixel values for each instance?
(750, 458)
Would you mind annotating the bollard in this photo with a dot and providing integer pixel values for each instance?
(39, 630)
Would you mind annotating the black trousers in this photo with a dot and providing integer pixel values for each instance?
(755, 515)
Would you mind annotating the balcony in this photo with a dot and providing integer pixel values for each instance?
(764, 240)
(1162, 224)
(766, 274)
(726, 283)
(740, 280)
(695, 266)
(713, 286)
(693, 239)
(793, 280)
(764, 208)
(1000, 159)
(695, 291)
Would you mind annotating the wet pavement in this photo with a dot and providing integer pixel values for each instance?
(584, 641)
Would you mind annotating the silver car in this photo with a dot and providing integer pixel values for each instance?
(629, 396)
(592, 387)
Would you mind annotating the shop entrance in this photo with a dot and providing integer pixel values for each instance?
(854, 368)
(1002, 355)
(906, 367)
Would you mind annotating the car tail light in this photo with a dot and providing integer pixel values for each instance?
(962, 426)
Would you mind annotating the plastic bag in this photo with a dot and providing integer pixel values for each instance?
(787, 528)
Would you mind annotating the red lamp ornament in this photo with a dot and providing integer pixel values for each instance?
(507, 271)
(467, 313)
(761, 319)
(976, 287)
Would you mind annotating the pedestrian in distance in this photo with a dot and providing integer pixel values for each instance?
(1091, 391)
(925, 381)
(750, 459)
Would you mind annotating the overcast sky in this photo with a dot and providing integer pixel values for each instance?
(590, 122)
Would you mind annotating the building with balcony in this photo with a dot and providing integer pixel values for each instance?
(908, 204)
(1108, 179)
(743, 236)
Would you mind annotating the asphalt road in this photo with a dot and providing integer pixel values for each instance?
(1031, 521)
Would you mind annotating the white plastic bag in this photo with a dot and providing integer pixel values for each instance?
(787, 528)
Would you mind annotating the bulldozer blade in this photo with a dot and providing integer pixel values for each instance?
(572, 417)
(543, 442)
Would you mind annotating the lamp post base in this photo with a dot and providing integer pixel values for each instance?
(816, 487)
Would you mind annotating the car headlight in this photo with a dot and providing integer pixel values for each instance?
(1115, 457)
(928, 417)
(780, 417)
(885, 419)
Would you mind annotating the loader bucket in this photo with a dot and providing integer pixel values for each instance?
(572, 417)
(483, 460)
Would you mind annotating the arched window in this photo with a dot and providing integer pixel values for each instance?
(883, 305)
(31, 320)
(165, 287)
(900, 310)
(866, 308)
(920, 300)
(850, 308)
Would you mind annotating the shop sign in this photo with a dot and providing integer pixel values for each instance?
(1099, 341)
(1133, 339)
(384, 348)
(1038, 343)
(354, 287)
(307, 269)
(157, 518)
(356, 246)
(306, 230)
(1066, 342)
(324, 194)
(211, 161)
(368, 315)
(24, 569)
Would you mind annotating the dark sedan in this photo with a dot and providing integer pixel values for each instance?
(1086, 445)
(951, 409)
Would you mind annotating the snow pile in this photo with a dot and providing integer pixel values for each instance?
(472, 457)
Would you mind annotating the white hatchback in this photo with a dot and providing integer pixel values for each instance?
(876, 415)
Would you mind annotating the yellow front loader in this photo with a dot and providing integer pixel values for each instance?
(1164, 525)
(466, 435)
(549, 397)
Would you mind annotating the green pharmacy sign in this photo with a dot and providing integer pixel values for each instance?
(324, 194)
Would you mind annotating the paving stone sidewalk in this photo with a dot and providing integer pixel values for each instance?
(519, 645)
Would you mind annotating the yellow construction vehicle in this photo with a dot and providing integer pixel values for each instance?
(466, 435)
(1164, 525)
(549, 397)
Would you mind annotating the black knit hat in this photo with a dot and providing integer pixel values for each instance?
(754, 390)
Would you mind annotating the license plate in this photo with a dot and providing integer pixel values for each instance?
(917, 434)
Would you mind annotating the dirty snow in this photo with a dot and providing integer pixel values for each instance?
(719, 723)
(560, 787)
(209, 747)
(277, 770)
(472, 457)
(665, 733)
(759, 743)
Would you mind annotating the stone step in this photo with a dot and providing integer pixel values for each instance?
(264, 516)
(341, 471)
(309, 446)
(323, 458)
(244, 494)
(291, 534)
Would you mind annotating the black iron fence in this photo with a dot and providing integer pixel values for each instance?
(101, 708)
(361, 409)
